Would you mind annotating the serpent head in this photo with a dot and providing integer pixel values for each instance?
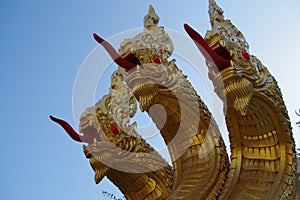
(113, 146)
(145, 58)
(112, 142)
(234, 72)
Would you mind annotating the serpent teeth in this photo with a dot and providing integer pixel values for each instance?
(95, 141)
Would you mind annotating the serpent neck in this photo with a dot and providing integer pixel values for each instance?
(263, 157)
(193, 139)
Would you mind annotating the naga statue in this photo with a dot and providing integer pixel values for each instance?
(263, 161)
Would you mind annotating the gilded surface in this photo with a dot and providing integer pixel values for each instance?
(263, 160)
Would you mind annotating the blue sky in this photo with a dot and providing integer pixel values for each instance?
(44, 43)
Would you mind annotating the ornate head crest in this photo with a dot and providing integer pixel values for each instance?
(151, 19)
(154, 42)
(223, 30)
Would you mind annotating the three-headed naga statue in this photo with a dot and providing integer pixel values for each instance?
(262, 164)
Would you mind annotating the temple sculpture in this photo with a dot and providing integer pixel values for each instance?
(262, 162)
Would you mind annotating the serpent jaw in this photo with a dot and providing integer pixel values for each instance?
(101, 170)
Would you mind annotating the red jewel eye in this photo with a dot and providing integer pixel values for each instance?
(114, 129)
(156, 59)
(246, 55)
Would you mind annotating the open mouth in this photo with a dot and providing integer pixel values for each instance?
(89, 137)
(220, 72)
(215, 54)
(88, 130)
(222, 52)
(132, 59)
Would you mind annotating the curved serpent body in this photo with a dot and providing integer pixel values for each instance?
(197, 149)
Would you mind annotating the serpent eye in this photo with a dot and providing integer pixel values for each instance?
(245, 55)
(114, 129)
(156, 59)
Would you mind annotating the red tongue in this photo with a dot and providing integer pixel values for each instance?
(71, 132)
(211, 56)
(114, 54)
